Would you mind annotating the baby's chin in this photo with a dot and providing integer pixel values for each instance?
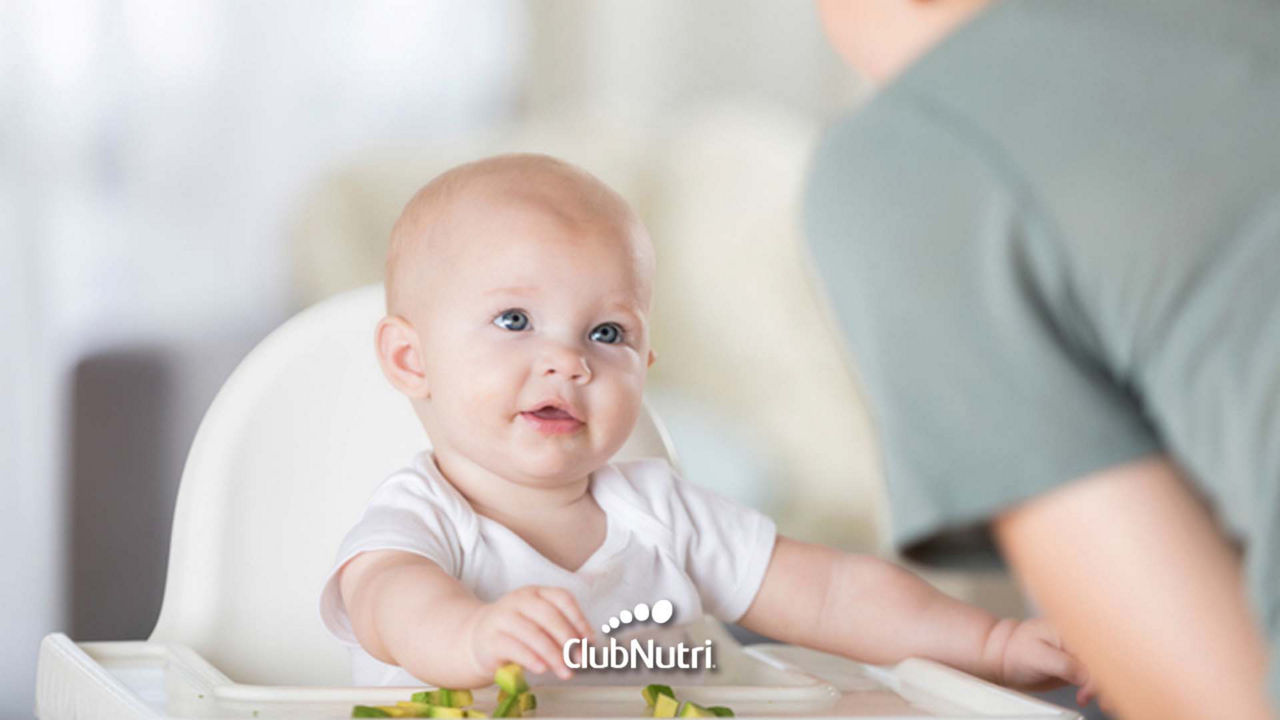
(552, 475)
(548, 469)
(548, 458)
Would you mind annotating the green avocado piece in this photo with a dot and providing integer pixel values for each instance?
(721, 711)
(508, 707)
(445, 697)
(526, 701)
(694, 710)
(474, 714)
(438, 711)
(368, 711)
(417, 709)
(510, 677)
(651, 693)
(664, 706)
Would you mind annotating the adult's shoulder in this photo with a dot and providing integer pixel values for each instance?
(897, 174)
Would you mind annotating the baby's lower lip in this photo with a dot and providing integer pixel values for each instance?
(553, 426)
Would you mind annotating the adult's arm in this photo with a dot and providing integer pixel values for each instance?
(1131, 568)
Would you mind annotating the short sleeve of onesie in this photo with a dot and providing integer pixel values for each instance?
(409, 511)
(969, 346)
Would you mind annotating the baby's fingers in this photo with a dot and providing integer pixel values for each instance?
(1059, 664)
(1087, 692)
(550, 618)
(568, 606)
(511, 649)
(537, 640)
(1039, 666)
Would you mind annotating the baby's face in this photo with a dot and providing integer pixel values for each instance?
(535, 343)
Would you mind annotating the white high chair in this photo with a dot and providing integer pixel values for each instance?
(280, 468)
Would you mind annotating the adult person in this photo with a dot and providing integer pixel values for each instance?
(1052, 239)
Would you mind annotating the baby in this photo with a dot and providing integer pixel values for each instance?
(518, 294)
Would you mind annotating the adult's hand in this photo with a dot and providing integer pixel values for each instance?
(1132, 569)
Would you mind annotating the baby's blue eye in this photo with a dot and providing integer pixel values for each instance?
(514, 320)
(608, 333)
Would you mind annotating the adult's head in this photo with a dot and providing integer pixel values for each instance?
(879, 38)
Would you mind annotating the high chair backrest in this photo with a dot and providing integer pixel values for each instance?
(282, 464)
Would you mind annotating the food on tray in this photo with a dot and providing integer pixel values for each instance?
(661, 699)
(693, 709)
(525, 700)
(512, 688)
(665, 706)
(651, 693)
(514, 700)
(413, 710)
(445, 697)
(510, 677)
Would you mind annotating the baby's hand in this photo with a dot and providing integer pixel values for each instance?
(528, 626)
(1034, 658)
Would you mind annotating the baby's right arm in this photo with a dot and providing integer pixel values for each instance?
(407, 611)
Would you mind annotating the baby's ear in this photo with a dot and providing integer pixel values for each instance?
(400, 355)
(652, 357)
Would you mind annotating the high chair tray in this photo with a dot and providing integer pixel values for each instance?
(155, 681)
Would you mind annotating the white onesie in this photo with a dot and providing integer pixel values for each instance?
(667, 539)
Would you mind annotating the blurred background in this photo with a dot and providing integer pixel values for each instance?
(176, 179)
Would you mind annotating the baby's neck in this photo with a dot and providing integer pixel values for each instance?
(538, 515)
(503, 499)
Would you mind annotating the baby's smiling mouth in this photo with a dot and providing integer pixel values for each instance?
(552, 420)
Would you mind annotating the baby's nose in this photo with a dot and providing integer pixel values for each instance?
(567, 364)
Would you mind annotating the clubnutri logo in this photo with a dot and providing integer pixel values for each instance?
(580, 654)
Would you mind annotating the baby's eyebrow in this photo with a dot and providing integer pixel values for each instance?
(514, 290)
(627, 309)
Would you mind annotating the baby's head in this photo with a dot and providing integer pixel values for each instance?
(518, 292)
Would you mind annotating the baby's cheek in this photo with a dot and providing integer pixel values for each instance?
(621, 405)
(477, 392)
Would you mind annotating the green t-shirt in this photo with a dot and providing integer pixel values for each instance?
(1053, 244)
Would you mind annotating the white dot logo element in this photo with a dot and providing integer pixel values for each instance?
(662, 611)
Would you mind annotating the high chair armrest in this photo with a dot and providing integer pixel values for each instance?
(71, 684)
(145, 680)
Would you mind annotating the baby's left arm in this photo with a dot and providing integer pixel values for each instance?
(876, 612)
